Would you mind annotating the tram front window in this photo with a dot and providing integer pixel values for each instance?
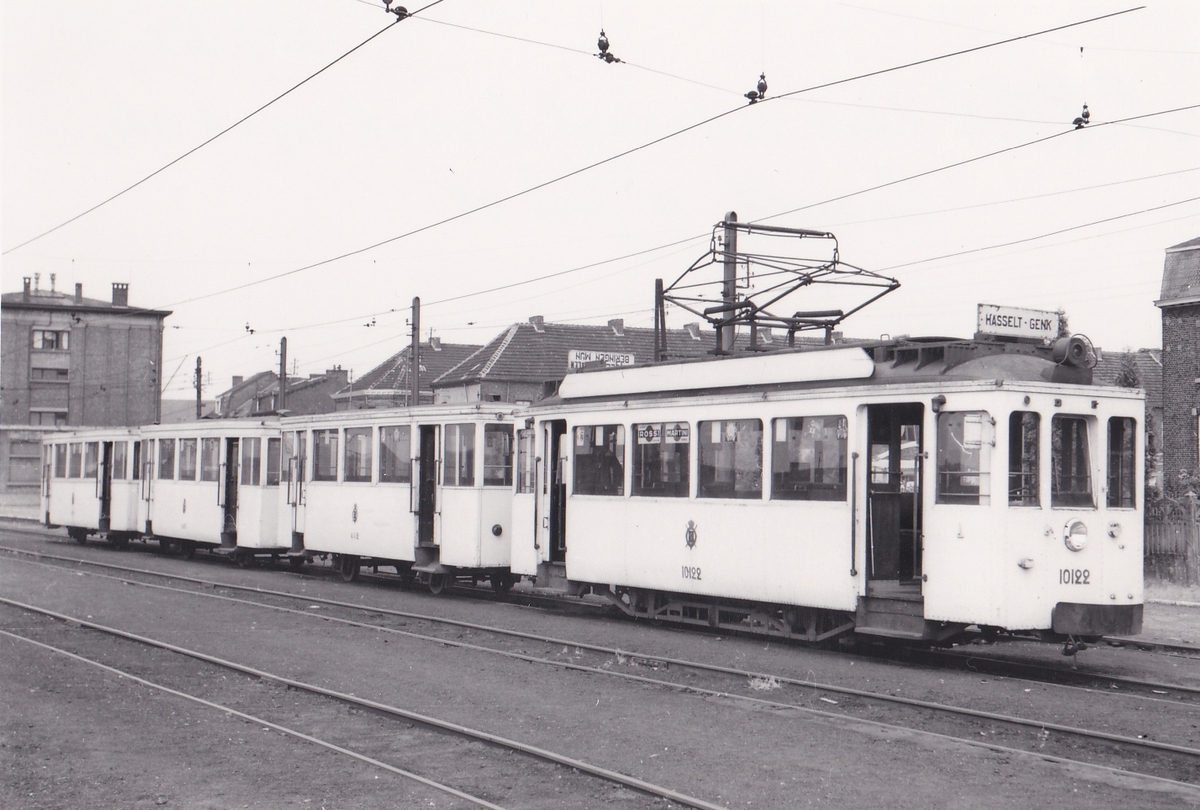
(1070, 467)
(964, 451)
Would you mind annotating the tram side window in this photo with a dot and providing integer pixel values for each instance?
(661, 459)
(1023, 432)
(1121, 462)
(1070, 468)
(287, 453)
(166, 458)
(60, 461)
(497, 455)
(251, 461)
(600, 460)
(91, 459)
(526, 463)
(187, 459)
(135, 467)
(120, 460)
(808, 459)
(731, 459)
(459, 470)
(395, 454)
(325, 453)
(358, 455)
(964, 454)
(210, 459)
(272, 479)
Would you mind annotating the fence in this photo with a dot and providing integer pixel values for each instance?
(1173, 539)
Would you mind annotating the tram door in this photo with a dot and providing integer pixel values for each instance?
(894, 480)
(426, 483)
(105, 484)
(230, 505)
(557, 480)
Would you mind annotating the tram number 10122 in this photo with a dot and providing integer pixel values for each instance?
(691, 572)
(1074, 576)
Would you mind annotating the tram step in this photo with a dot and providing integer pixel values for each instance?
(896, 618)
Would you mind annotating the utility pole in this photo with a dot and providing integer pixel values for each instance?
(199, 391)
(416, 353)
(729, 285)
(282, 401)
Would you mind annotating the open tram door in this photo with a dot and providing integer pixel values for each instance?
(295, 455)
(425, 481)
(104, 484)
(894, 484)
(229, 489)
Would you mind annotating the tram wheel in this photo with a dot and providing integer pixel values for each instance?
(243, 558)
(78, 535)
(118, 541)
(296, 562)
(187, 550)
(348, 567)
(437, 583)
(502, 584)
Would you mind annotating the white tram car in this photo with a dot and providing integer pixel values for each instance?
(427, 490)
(908, 489)
(91, 483)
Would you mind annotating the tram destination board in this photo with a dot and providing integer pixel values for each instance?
(1032, 324)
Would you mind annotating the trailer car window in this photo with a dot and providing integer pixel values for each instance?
(60, 461)
(272, 479)
(497, 455)
(135, 468)
(325, 454)
(661, 460)
(459, 470)
(1023, 432)
(964, 453)
(395, 454)
(1070, 468)
(731, 459)
(166, 458)
(1121, 462)
(358, 454)
(210, 459)
(187, 459)
(251, 461)
(600, 460)
(91, 459)
(526, 463)
(808, 458)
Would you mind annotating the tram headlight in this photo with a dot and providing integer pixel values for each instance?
(1075, 535)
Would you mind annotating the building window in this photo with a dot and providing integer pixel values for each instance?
(24, 463)
(1121, 462)
(251, 461)
(358, 454)
(51, 340)
(325, 454)
(808, 458)
(661, 459)
(48, 374)
(460, 456)
(210, 459)
(497, 455)
(166, 459)
(187, 459)
(964, 453)
(526, 463)
(273, 463)
(600, 460)
(1023, 458)
(60, 461)
(47, 418)
(731, 459)
(395, 454)
(1070, 470)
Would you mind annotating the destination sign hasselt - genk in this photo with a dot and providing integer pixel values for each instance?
(1032, 324)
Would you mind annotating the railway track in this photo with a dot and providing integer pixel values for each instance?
(1160, 762)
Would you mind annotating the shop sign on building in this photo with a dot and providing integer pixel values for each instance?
(578, 358)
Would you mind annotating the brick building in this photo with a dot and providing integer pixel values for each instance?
(1180, 305)
(70, 361)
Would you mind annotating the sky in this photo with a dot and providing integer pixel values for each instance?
(478, 155)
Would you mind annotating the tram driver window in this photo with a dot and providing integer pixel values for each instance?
(497, 455)
(210, 459)
(120, 460)
(526, 462)
(964, 456)
(273, 445)
(459, 470)
(325, 453)
(60, 461)
(1070, 467)
(187, 459)
(1023, 431)
(166, 459)
(731, 459)
(808, 458)
(395, 454)
(600, 460)
(358, 454)
(251, 461)
(1122, 462)
(661, 459)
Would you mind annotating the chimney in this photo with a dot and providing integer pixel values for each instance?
(435, 343)
(693, 330)
(25, 295)
(237, 381)
(53, 277)
(78, 294)
(120, 295)
(618, 326)
(539, 323)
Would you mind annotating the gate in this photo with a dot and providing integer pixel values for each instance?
(1173, 539)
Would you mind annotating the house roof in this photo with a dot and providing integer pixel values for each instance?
(1147, 363)
(394, 373)
(46, 299)
(1181, 274)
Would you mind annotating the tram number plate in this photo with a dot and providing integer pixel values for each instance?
(691, 572)
(1074, 576)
